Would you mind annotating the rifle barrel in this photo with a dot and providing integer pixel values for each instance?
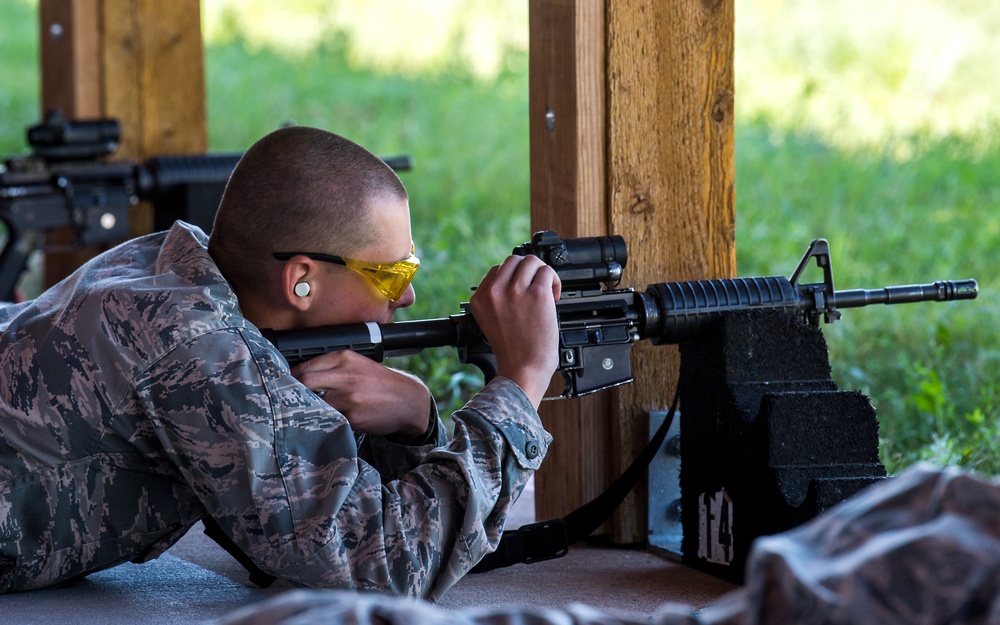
(165, 172)
(940, 291)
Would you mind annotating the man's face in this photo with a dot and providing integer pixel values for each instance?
(348, 297)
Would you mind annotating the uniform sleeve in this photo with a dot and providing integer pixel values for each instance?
(279, 470)
(394, 459)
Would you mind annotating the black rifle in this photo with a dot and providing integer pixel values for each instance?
(598, 326)
(63, 183)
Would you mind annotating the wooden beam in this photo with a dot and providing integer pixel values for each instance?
(69, 52)
(647, 152)
(567, 116)
(671, 180)
(139, 61)
(69, 55)
(568, 182)
(154, 52)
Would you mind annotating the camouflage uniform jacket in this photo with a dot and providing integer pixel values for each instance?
(134, 399)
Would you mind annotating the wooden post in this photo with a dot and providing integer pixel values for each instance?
(568, 182)
(153, 57)
(664, 96)
(69, 44)
(139, 61)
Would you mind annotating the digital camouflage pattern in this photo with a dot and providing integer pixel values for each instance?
(134, 399)
(922, 548)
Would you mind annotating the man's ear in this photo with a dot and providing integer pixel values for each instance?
(298, 282)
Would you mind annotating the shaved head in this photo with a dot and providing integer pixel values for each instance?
(299, 188)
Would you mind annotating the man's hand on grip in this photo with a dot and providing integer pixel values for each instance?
(375, 399)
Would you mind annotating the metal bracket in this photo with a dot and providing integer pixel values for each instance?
(664, 509)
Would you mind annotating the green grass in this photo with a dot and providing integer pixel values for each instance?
(900, 177)
(929, 368)
(19, 78)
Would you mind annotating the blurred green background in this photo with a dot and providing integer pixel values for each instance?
(870, 124)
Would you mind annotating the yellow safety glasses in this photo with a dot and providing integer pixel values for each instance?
(391, 279)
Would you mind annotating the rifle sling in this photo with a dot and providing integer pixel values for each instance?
(551, 539)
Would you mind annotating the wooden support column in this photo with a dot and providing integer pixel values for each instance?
(658, 107)
(568, 195)
(69, 41)
(139, 61)
(154, 63)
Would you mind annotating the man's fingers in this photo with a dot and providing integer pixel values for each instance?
(505, 271)
(547, 278)
(327, 373)
(489, 277)
(519, 272)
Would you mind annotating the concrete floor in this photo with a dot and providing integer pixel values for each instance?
(196, 581)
